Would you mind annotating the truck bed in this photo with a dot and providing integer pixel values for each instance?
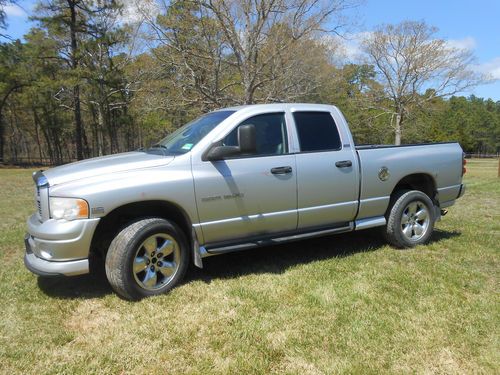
(441, 162)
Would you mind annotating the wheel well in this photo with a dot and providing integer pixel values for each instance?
(418, 181)
(116, 220)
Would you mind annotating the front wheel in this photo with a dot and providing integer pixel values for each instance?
(410, 220)
(148, 257)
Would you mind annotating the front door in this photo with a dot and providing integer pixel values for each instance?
(252, 195)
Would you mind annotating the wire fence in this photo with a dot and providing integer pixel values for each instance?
(25, 162)
(481, 156)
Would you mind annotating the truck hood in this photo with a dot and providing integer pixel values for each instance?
(105, 165)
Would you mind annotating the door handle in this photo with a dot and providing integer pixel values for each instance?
(281, 170)
(343, 164)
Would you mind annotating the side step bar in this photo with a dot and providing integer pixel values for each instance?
(200, 252)
(370, 222)
(273, 241)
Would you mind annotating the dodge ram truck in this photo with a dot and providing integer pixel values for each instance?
(231, 180)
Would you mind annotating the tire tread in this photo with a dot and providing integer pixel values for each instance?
(392, 231)
(119, 248)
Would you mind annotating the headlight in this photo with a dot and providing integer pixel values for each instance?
(68, 208)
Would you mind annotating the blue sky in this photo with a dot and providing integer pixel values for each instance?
(469, 24)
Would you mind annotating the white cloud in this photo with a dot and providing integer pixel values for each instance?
(348, 45)
(12, 10)
(351, 49)
(351, 44)
(490, 68)
(135, 11)
(468, 43)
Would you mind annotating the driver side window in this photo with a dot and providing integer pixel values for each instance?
(270, 134)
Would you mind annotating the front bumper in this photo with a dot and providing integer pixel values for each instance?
(58, 247)
(44, 267)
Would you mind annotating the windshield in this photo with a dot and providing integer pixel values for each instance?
(185, 138)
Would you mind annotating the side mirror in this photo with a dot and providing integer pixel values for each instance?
(246, 139)
(246, 145)
(221, 152)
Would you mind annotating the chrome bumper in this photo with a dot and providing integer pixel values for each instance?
(44, 267)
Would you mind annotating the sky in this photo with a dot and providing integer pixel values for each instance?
(464, 23)
(467, 24)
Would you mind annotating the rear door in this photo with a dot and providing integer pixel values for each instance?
(327, 171)
(251, 195)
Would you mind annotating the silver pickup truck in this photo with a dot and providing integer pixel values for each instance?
(233, 179)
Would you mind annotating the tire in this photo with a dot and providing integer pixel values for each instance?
(410, 219)
(148, 257)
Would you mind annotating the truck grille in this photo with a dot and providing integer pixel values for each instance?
(41, 196)
(39, 208)
(38, 203)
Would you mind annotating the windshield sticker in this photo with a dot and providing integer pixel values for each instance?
(187, 146)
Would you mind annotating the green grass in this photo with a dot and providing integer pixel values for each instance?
(342, 304)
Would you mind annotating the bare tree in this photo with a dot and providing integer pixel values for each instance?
(414, 66)
(242, 51)
(193, 52)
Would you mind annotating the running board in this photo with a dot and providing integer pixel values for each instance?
(370, 222)
(204, 252)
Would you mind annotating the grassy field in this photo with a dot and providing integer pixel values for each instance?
(344, 304)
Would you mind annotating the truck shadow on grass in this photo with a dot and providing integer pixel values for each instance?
(270, 259)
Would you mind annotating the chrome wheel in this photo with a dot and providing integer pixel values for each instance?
(156, 261)
(415, 220)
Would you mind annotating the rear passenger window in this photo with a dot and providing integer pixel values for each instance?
(317, 131)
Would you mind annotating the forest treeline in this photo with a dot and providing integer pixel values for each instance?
(88, 79)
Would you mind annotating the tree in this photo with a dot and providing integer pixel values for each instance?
(68, 22)
(11, 80)
(107, 92)
(65, 21)
(244, 51)
(191, 54)
(207, 54)
(51, 123)
(414, 67)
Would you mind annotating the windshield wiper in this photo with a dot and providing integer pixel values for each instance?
(158, 145)
(157, 149)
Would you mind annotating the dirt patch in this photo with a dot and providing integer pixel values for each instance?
(90, 316)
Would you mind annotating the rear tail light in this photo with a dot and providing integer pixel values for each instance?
(464, 163)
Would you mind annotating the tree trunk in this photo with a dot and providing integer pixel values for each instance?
(100, 127)
(12, 135)
(37, 134)
(248, 86)
(248, 95)
(397, 139)
(2, 127)
(2, 135)
(48, 142)
(76, 88)
(78, 123)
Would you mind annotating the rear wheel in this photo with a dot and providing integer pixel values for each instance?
(148, 257)
(410, 220)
